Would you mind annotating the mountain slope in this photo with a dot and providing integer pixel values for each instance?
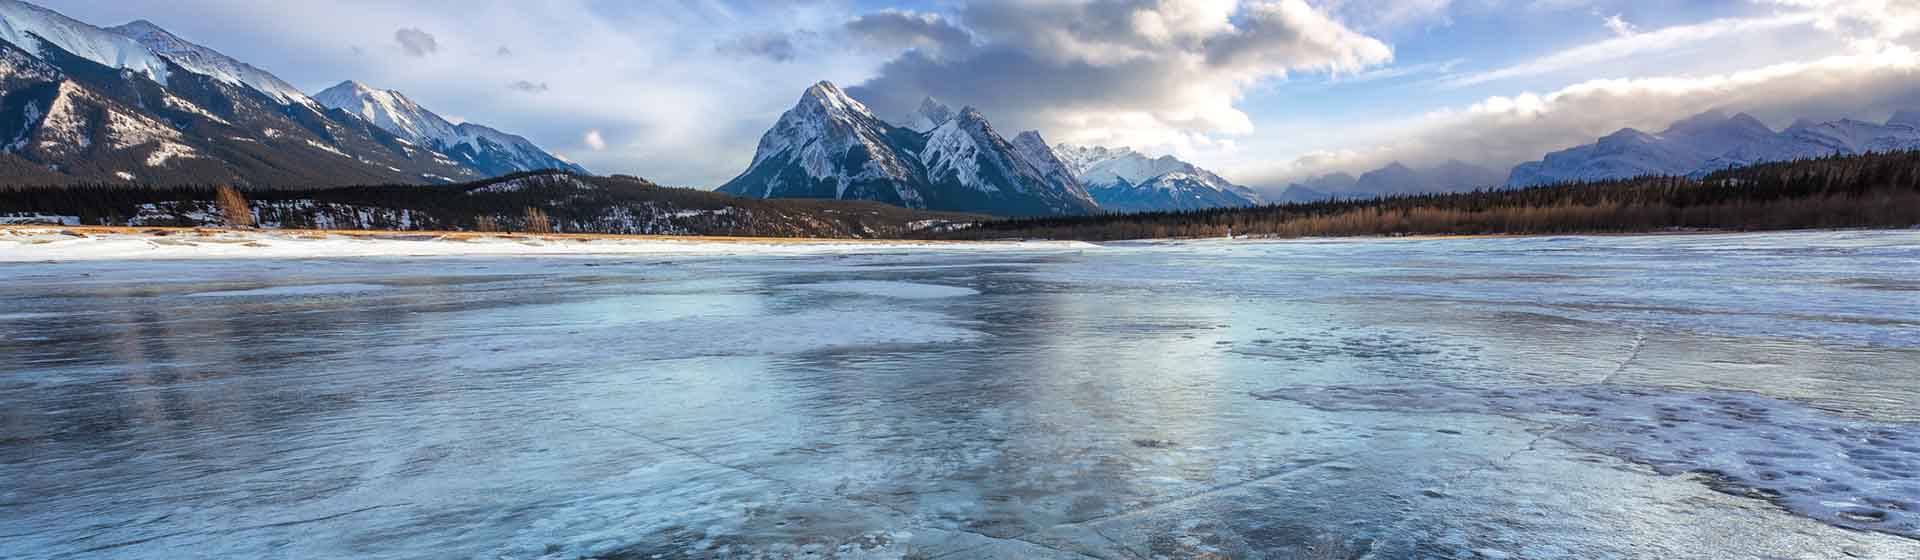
(205, 61)
(831, 146)
(1123, 180)
(484, 149)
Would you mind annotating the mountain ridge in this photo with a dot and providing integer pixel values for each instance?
(830, 145)
(137, 104)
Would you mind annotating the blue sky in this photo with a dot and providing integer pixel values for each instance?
(1265, 91)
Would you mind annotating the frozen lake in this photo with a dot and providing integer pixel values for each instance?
(1723, 396)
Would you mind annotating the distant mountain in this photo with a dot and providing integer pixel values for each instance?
(831, 146)
(1713, 141)
(929, 116)
(1394, 179)
(1317, 189)
(1123, 180)
(484, 149)
(1398, 179)
(137, 104)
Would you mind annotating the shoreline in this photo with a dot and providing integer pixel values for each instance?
(22, 243)
(49, 243)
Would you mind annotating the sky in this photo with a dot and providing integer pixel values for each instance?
(1263, 91)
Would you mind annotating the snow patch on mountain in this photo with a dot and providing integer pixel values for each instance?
(208, 62)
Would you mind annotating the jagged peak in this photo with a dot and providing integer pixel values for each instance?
(930, 106)
(832, 99)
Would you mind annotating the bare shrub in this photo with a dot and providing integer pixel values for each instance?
(233, 207)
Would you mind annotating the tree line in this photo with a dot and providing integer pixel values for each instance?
(528, 202)
(1868, 190)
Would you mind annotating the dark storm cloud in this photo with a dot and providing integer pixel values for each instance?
(774, 46)
(897, 29)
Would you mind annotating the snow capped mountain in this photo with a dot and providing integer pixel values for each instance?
(33, 28)
(929, 116)
(390, 110)
(1713, 141)
(1686, 146)
(1123, 180)
(1034, 149)
(967, 152)
(137, 104)
(205, 61)
(832, 146)
(489, 151)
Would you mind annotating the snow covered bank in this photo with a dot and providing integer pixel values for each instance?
(69, 244)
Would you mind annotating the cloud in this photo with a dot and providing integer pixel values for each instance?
(528, 87)
(774, 46)
(899, 29)
(1619, 26)
(1143, 73)
(1504, 130)
(1871, 23)
(594, 141)
(415, 42)
(1630, 44)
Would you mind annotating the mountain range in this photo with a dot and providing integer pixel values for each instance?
(1693, 147)
(1394, 179)
(832, 146)
(1123, 180)
(1713, 141)
(137, 104)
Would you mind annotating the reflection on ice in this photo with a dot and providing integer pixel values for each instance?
(1624, 397)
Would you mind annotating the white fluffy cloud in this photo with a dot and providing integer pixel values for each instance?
(1502, 131)
(1872, 23)
(1145, 73)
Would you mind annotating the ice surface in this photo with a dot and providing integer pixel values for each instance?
(294, 291)
(904, 290)
(1673, 397)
